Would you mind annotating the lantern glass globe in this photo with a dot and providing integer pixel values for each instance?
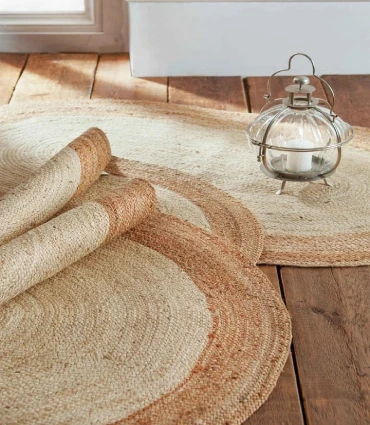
(299, 141)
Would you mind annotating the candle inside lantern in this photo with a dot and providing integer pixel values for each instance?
(299, 161)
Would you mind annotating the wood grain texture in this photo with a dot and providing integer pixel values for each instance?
(60, 76)
(257, 88)
(283, 405)
(113, 80)
(352, 97)
(331, 335)
(11, 67)
(225, 93)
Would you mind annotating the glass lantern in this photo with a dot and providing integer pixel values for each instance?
(299, 138)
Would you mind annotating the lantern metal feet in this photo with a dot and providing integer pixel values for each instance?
(280, 191)
(283, 184)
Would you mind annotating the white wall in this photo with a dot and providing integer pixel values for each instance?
(248, 38)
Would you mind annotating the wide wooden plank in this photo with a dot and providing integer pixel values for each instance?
(352, 97)
(11, 67)
(60, 76)
(224, 93)
(113, 80)
(331, 334)
(257, 87)
(283, 405)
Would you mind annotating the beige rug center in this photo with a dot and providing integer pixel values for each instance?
(169, 202)
(125, 335)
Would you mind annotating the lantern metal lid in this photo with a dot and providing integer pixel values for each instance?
(299, 137)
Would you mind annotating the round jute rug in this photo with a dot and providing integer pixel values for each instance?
(167, 325)
(309, 225)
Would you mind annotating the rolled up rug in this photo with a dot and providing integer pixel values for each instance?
(44, 251)
(68, 173)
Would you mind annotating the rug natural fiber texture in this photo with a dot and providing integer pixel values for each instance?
(309, 225)
(167, 325)
(49, 248)
(192, 200)
(67, 174)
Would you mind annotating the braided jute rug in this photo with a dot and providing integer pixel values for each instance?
(309, 225)
(167, 325)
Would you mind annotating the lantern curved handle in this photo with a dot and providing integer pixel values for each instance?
(331, 103)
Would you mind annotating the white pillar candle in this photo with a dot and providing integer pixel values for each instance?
(299, 161)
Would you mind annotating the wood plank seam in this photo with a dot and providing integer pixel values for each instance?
(94, 75)
(246, 94)
(246, 98)
(292, 351)
(20, 75)
(299, 386)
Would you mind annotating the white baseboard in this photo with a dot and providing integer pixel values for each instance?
(248, 38)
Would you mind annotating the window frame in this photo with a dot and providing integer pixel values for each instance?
(88, 21)
(108, 33)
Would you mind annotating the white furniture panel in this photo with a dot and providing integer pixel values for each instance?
(248, 38)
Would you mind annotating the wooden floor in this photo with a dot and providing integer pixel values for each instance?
(327, 378)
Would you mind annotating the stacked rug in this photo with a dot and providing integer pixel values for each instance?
(131, 297)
